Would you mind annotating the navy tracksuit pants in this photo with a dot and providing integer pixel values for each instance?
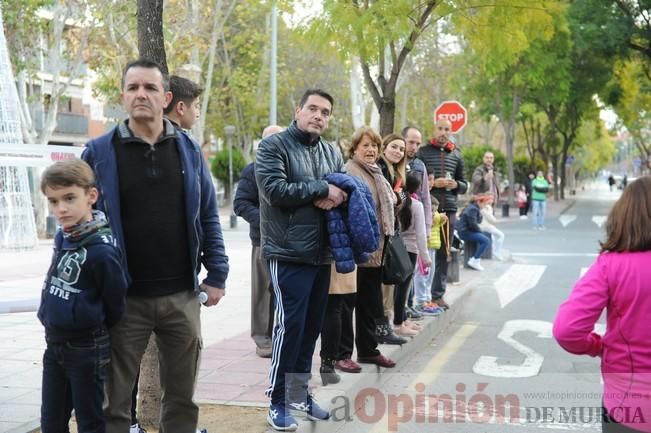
(301, 296)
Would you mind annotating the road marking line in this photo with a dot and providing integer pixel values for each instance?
(566, 219)
(433, 369)
(599, 219)
(583, 271)
(530, 366)
(516, 281)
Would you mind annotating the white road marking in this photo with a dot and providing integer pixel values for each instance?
(599, 220)
(488, 366)
(566, 219)
(517, 280)
(583, 271)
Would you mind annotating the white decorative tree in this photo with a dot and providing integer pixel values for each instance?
(17, 227)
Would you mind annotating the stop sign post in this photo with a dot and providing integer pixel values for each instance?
(454, 112)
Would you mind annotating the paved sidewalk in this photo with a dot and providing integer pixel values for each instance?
(230, 372)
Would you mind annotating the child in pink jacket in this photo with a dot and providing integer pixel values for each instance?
(620, 282)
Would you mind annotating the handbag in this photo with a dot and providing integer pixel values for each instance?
(396, 266)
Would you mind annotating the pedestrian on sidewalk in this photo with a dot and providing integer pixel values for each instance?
(529, 189)
(290, 170)
(413, 141)
(82, 299)
(183, 111)
(469, 228)
(442, 158)
(158, 194)
(370, 321)
(424, 275)
(618, 281)
(414, 235)
(393, 163)
(539, 190)
(246, 204)
(521, 197)
(337, 334)
(485, 179)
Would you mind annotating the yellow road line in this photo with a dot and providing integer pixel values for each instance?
(433, 369)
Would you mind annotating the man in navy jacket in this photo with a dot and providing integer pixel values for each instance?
(156, 190)
(247, 205)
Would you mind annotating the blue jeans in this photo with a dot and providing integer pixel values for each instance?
(538, 209)
(478, 237)
(73, 378)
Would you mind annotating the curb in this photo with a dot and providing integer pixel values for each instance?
(372, 376)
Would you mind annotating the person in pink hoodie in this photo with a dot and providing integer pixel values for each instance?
(620, 282)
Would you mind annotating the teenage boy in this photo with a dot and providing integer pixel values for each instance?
(184, 109)
(84, 294)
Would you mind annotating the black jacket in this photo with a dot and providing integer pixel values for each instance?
(439, 161)
(290, 171)
(247, 202)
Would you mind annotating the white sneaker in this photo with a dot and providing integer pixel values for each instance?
(523, 217)
(137, 429)
(475, 264)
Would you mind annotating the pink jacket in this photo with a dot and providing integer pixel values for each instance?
(620, 283)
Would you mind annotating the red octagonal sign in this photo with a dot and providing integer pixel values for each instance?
(454, 112)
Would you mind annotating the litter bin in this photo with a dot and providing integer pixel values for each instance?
(50, 226)
(505, 210)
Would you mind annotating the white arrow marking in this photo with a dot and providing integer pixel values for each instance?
(599, 219)
(567, 219)
(517, 280)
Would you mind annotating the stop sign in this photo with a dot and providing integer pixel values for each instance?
(454, 112)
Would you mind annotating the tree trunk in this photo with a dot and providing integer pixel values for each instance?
(149, 392)
(151, 46)
(387, 116)
(151, 43)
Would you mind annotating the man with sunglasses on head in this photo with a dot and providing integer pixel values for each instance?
(444, 160)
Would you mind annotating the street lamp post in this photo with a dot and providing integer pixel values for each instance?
(229, 130)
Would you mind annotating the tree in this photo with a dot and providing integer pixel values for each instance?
(151, 42)
(629, 93)
(382, 35)
(504, 43)
(595, 148)
(58, 51)
(220, 168)
(623, 27)
(151, 46)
